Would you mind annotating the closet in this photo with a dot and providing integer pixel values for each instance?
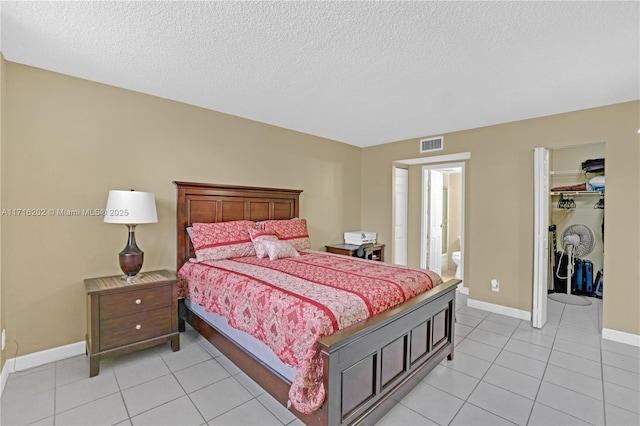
(577, 207)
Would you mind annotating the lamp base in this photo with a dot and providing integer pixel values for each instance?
(131, 257)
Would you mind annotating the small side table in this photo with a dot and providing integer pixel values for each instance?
(351, 249)
(128, 315)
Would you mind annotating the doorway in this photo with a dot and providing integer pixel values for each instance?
(442, 233)
(561, 194)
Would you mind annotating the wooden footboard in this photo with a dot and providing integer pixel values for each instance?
(387, 355)
(369, 366)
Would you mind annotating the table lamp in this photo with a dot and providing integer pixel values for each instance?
(131, 208)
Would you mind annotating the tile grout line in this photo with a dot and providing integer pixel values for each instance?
(180, 384)
(548, 363)
(424, 382)
(231, 375)
(126, 407)
(272, 413)
(172, 373)
(466, 400)
(604, 394)
(502, 349)
(535, 400)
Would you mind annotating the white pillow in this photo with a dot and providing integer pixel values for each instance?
(277, 249)
(258, 236)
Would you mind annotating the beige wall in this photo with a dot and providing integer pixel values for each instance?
(68, 141)
(498, 241)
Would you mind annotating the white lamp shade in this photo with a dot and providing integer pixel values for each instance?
(130, 207)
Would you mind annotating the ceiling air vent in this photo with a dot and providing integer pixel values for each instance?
(432, 144)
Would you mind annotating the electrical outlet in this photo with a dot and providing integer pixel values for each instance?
(495, 285)
(4, 338)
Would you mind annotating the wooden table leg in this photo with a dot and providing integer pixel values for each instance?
(175, 343)
(94, 365)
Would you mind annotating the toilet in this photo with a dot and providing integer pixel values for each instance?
(455, 256)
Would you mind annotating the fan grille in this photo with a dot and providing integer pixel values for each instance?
(581, 237)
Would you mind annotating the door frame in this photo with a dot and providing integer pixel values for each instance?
(400, 203)
(424, 215)
(541, 265)
(540, 237)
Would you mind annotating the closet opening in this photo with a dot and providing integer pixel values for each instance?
(575, 208)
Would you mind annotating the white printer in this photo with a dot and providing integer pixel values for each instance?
(359, 237)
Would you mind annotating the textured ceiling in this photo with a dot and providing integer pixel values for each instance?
(363, 73)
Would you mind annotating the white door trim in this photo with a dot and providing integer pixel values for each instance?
(461, 156)
(400, 215)
(540, 237)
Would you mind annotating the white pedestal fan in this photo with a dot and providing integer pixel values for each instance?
(578, 240)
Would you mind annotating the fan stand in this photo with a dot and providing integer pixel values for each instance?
(568, 298)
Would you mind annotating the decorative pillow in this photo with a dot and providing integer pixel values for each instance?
(293, 231)
(258, 236)
(222, 240)
(277, 249)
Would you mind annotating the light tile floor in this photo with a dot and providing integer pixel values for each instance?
(504, 372)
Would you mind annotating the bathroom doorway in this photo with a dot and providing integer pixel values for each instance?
(442, 236)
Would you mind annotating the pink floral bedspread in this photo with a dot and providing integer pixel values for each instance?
(291, 303)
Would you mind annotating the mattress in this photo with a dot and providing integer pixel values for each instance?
(249, 343)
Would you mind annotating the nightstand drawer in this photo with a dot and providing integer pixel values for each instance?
(132, 302)
(134, 328)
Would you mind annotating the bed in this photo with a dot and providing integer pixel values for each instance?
(366, 367)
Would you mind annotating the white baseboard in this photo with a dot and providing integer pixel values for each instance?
(499, 309)
(37, 359)
(607, 333)
(462, 289)
(4, 375)
(621, 337)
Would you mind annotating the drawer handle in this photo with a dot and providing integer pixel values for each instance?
(138, 301)
(138, 327)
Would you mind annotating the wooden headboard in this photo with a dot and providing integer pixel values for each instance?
(205, 202)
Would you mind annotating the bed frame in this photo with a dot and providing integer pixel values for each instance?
(368, 366)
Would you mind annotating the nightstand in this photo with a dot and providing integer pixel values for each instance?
(125, 316)
(351, 249)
